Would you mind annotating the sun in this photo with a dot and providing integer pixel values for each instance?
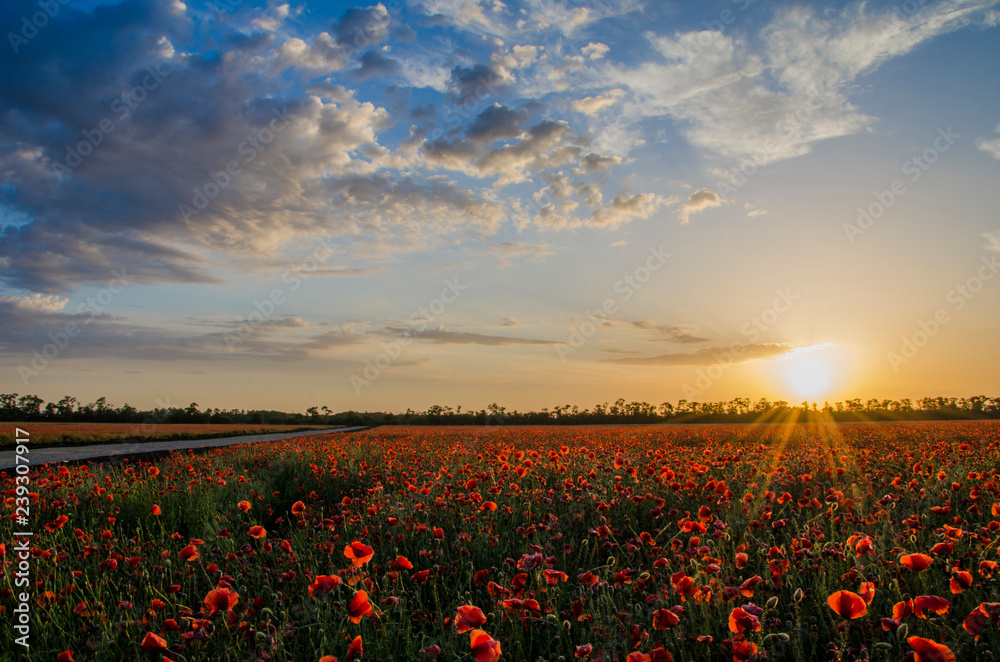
(809, 372)
(809, 378)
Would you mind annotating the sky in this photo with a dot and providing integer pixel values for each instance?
(528, 202)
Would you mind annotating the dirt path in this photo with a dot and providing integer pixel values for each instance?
(103, 452)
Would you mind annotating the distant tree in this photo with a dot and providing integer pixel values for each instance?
(29, 406)
(8, 406)
(66, 406)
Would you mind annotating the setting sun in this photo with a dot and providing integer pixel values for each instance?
(809, 372)
(809, 378)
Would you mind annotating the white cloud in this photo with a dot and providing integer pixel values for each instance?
(592, 105)
(272, 19)
(990, 146)
(38, 303)
(595, 50)
(525, 55)
(323, 54)
(698, 201)
(775, 101)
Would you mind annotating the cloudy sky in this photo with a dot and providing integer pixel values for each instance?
(533, 202)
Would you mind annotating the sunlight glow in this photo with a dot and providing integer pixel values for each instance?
(810, 371)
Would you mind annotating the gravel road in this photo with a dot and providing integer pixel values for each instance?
(103, 452)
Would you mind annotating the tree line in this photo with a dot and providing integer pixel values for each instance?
(15, 407)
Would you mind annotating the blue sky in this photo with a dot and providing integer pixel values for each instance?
(535, 203)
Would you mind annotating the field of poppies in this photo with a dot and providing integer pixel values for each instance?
(805, 542)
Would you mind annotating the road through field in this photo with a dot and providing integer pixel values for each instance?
(40, 456)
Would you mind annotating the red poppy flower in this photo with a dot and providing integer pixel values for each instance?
(189, 553)
(748, 587)
(960, 581)
(636, 656)
(156, 510)
(916, 562)
(359, 607)
(931, 603)
(848, 604)
(925, 650)
(867, 592)
(901, 610)
(552, 577)
(65, 656)
(664, 619)
(469, 618)
(743, 650)
(257, 532)
(243, 505)
(221, 599)
(740, 621)
(152, 643)
(324, 584)
(298, 507)
(355, 650)
(583, 651)
(660, 655)
(484, 647)
(977, 621)
(401, 563)
(530, 561)
(359, 553)
(57, 524)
